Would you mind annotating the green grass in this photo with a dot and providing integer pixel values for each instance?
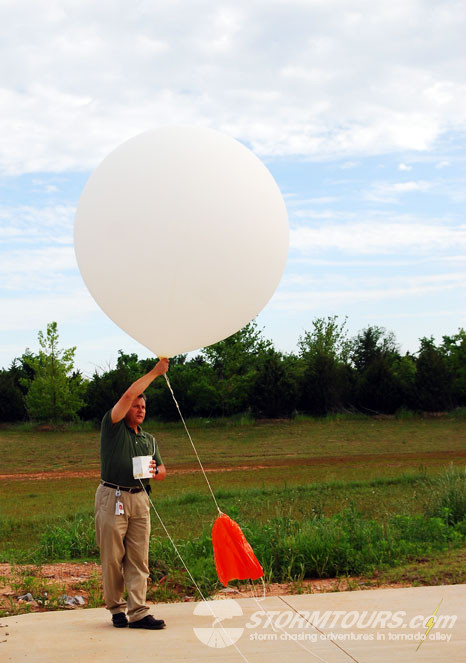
(344, 544)
(445, 568)
(186, 512)
(448, 495)
(186, 505)
(295, 486)
(229, 443)
(325, 460)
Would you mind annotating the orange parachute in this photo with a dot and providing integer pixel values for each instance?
(234, 557)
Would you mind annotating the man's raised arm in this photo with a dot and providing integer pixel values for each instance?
(120, 409)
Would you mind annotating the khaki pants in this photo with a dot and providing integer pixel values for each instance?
(124, 545)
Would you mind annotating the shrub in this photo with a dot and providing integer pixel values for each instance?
(448, 496)
(71, 539)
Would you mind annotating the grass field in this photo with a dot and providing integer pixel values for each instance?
(261, 470)
(267, 475)
(406, 443)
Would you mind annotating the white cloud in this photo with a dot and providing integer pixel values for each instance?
(34, 312)
(406, 187)
(388, 192)
(391, 279)
(316, 79)
(320, 80)
(28, 270)
(29, 224)
(293, 200)
(312, 214)
(362, 290)
(379, 237)
(348, 165)
(225, 25)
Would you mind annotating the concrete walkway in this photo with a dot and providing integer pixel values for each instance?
(383, 626)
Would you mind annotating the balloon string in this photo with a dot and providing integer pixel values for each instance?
(220, 512)
(274, 626)
(226, 634)
(192, 443)
(318, 629)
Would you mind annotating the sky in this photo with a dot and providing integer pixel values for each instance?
(357, 108)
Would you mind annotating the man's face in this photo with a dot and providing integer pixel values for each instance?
(136, 413)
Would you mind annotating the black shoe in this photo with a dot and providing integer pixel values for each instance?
(148, 622)
(119, 620)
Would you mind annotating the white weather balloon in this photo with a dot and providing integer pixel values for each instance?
(181, 236)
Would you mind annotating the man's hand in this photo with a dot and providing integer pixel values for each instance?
(162, 365)
(161, 471)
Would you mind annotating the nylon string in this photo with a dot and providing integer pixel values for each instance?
(263, 583)
(318, 629)
(192, 443)
(274, 626)
(192, 578)
(175, 547)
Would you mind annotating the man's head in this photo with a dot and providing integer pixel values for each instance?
(137, 412)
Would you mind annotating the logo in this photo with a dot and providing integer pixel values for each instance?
(220, 624)
(430, 623)
(221, 614)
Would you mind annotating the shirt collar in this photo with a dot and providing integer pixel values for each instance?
(140, 431)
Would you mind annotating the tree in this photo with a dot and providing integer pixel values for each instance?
(234, 354)
(106, 387)
(274, 392)
(404, 371)
(433, 378)
(12, 390)
(194, 385)
(329, 338)
(372, 343)
(377, 387)
(21, 371)
(55, 392)
(325, 373)
(11, 399)
(103, 391)
(234, 363)
(454, 351)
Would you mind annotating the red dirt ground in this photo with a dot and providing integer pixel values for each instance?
(283, 463)
(69, 576)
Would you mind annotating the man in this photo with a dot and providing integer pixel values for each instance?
(122, 515)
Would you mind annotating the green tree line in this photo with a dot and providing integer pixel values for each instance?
(330, 372)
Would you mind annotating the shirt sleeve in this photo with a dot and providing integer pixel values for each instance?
(107, 425)
(107, 428)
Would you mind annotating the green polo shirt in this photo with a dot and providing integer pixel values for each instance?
(118, 444)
